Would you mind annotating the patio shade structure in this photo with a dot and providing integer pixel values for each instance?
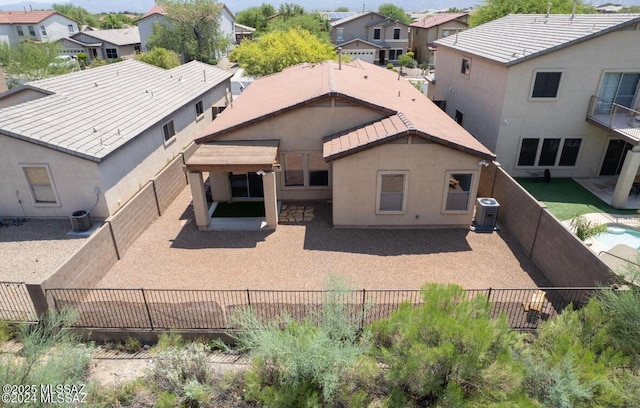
(233, 156)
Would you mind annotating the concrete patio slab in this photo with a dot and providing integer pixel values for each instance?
(301, 253)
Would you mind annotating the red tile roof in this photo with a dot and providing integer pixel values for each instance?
(24, 17)
(437, 19)
(154, 10)
(407, 110)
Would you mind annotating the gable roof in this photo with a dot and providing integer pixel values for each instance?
(370, 44)
(358, 82)
(156, 9)
(379, 20)
(119, 36)
(438, 19)
(519, 37)
(92, 113)
(25, 17)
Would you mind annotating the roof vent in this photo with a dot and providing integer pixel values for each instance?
(96, 84)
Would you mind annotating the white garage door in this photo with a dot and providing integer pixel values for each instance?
(365, 55)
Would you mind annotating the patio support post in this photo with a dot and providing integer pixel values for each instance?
(270, 201)
(626, 178)
(200, 209)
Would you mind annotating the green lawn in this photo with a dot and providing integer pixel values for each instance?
(565, 198)
(240, 209)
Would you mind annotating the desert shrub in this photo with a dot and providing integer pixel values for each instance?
(8, 331)
(448, 352)
(390, 66)
(584, 228)
(167, 341)
(124, 394)
(131, 345)
(184, 372)
(622, 315)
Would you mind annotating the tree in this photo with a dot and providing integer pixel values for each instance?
(394, 12)
(160, 57)
(494, 9)
(115, 20)
(193, 29)
(341, 9)
(256, 17)
(311, 22)
(407, 60)
(79, 14)
(288, 10)
(29, 61)
(277, 50)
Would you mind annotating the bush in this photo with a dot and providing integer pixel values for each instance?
(584, 228)
(390, 66)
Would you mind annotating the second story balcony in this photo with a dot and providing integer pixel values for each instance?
(619, 120)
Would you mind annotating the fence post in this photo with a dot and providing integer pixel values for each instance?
(146, 305)
(249, 297)
(39, 300)
(489, 296)
(364, 294)
(155, 195)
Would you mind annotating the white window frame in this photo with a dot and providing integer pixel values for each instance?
(70, 28)
(33, 194)
(405, 190)
(199, 106)
(533, 84)
(306, 175)
(107, 51)
(20, 31)
(556, 163)
(379, 34)
(340, 34)
(172, 138)
(32, 31)
(472, 189)
(43, 31)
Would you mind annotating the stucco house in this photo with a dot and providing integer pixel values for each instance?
(351, 133)
(20, 25)
(104, 44)
(426, 31)
(560, 94)
(157, 14)
(100, 134)
(371, 37)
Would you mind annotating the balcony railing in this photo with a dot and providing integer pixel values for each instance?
(623, 121)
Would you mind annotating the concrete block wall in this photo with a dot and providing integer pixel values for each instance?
(169, 183)
(134, 218)
(564, 258)
(487, 177)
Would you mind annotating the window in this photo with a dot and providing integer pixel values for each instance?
(392, 187)
(199, 109)
(40, 183)
(43, 31)
(305, 170)
(546, 85)
(71, 29)
(111, 53)
(137, 49)
(168, 131)
(293, 169)
(32, 32)
(216, 110)
(20, 32)
(395, 54)
(340, 34)
(459, 116)
(396, 33)
(376, 33)
(466, 67)
(459, 191)
(551, 152)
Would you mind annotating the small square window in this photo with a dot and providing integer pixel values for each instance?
(466, 67)
(71, 29)
(459, 191)
(111, 53)
(43, 31)
(199, 109)
(376, 33)
(546, 85)
(168, 131)
(392, 196)
(20, 32)
(32, 31)
(40, 184)
(294, 169)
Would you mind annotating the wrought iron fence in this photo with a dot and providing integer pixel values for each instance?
(214, 309)
(15, 303)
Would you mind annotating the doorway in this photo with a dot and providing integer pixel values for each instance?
(246, 185)
(383, 56)
(614, 157)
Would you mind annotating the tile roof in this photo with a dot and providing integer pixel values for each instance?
(360, 40)
(437, 19)
(25, 17)
(519, 37)
(119, 36)
(154, 10)
(92, 113)
(406, 109)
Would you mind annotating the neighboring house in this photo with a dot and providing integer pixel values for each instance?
(557, 92)
(104, 44)
(157, 14)
(332, 16)
(18, 26)
(351, 133)
(99, 133)
(425, 32)
(243, 32)
(371, 37)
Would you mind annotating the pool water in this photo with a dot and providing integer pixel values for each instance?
(619, 234)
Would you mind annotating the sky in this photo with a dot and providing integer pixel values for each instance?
(95, 6)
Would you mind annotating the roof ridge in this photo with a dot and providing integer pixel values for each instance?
(405, 120)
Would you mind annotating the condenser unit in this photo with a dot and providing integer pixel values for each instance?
(486, 213)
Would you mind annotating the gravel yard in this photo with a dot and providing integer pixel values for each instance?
(173, 254)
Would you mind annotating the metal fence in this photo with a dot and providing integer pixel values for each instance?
(214, 309)
(15, 303)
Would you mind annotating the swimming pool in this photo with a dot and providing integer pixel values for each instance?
(618, 234)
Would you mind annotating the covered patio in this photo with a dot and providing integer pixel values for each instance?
(243, 162)
(604, 188)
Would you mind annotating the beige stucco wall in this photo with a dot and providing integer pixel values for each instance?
(498, 110)
(355, 185)
(25, 95)
(421, 37)
(302, 131)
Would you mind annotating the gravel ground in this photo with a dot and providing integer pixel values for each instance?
(173, 254)
(35, 249)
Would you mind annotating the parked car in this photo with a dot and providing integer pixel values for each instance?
(64, 61)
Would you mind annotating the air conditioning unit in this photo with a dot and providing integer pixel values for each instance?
(486, 213)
